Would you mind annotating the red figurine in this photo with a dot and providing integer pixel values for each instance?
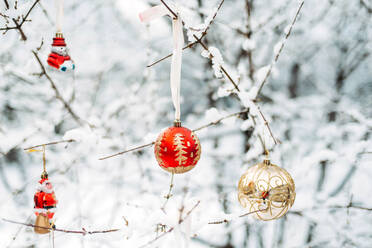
(59, 57)
(45, 204)
(177, 149)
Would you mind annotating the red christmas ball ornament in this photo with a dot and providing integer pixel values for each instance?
(177, 149)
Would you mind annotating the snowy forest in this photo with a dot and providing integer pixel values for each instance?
(284, 80)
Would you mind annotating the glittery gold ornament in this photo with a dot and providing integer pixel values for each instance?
(267, 190)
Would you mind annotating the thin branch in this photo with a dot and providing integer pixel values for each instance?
(56, 91)
(267, 125)
(195, 130)
(130, 150)
(240, 216)
(280, 49)
(83, 231)
(169, 195)
(192, 43)
(50, 143)
(170, 55)
(28, 12)
(211, 57)
(173, 13)
(221, 119)
(18, 26)
(6, 4)
(172, 228)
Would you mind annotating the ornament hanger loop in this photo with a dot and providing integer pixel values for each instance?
(44, 175)
(59, 15)
(44, 160)
(178, 42)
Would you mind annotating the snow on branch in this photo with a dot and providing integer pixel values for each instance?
(279, 48)
(204, 33)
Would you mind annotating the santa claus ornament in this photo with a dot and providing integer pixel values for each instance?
(44, 202)
(266, 190)
(177, 149)
(59, 58)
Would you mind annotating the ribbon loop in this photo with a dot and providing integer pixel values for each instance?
(59, 16)
(178, 42)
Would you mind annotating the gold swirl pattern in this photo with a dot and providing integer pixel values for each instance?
(267, 190)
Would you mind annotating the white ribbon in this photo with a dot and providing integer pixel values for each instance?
(178, 41)
(59, 18)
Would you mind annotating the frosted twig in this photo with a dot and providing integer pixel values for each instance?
(195, 130)
(267, 125)
(192, 43)
(280, 49)
(83, 230)
(169, 195)
(172, 228)
(57, 93)
(222, 68)
(240, 216)
(50, 143)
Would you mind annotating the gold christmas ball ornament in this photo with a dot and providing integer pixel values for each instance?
(267, 190)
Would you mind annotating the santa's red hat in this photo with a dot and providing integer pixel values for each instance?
(43, 180)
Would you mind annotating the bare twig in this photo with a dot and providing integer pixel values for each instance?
(172, 228)
(280, 49)
(240, 216)
(192, 43)
(267, 125)
(18, 26)
(50, 143)
(169, 195)
(195, 130)
(170, 55)
(166, 5)
(6, 4)
(221, 119)
(83, 231)
(56, 91)
(130, 150)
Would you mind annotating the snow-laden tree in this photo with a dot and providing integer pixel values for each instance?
(316, 97)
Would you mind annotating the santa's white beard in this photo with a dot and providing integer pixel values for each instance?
(44, 189)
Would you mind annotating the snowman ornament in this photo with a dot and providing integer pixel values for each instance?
(59, 58)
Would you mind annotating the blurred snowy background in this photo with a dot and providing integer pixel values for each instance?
(317, 101)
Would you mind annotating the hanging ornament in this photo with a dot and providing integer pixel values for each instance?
(59, 58)
(267, 190)
(45, 201)
(177, 149)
